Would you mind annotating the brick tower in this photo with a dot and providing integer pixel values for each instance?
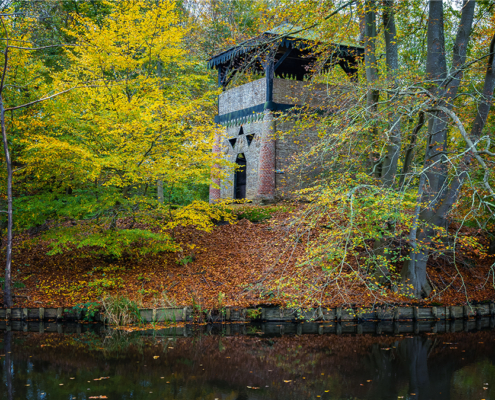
(249, 112)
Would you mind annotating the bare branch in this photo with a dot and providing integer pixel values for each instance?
(43, 99)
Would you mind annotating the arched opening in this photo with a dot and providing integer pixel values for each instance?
(240, 177)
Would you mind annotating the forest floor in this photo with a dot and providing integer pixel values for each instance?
(236, 265)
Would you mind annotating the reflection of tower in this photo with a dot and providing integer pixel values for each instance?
(248, 112)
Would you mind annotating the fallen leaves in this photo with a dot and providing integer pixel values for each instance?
(228, 261)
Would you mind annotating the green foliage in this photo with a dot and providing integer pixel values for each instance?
(185, 194)
(185, 260)
(88, 310)
(254, 313)
(256, 213)
(16, 285)
(109, 242)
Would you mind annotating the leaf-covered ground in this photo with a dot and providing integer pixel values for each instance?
(245, 264)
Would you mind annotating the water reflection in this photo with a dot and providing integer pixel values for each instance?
(225, 366)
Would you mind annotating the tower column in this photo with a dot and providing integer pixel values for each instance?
(267, 160)
(214, 192)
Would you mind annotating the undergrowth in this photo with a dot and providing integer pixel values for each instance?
(121, 311)
(257, 213)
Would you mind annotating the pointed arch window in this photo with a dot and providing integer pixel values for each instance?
(249, 139)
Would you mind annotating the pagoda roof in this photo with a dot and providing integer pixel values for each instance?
(287, 37)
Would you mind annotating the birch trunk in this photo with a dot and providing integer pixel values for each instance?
(7, 294)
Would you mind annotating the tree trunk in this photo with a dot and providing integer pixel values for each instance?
(371, 74)
(410, 149)
(446, 91)
(159, 190)
(479, 123)
(432, 189)
(389, 164)
(7, 294)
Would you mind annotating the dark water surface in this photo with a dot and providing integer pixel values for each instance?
(219, 364)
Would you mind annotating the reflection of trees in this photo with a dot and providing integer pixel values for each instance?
(414, 355)
(384, 364)
(211, 365)
(405, 368)
(7, 340)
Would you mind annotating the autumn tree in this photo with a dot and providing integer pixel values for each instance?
(399, 142)
(140, 115)
(135, 111)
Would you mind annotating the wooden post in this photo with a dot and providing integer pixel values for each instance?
(184, 314)
(396, 313)
(270, 73)
(338, 313)
(153, 315)
(492, 308)
(434, 312)
(59, 313)
(8, 314)
(42, 314)
(24, 313)
(452, 313)
(42, 326)
(415, 313)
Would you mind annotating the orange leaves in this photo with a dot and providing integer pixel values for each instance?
(237, 265)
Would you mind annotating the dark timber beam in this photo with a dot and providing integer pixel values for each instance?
(269, 72)
(284, 56)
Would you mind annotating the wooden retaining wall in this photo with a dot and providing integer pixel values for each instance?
(186, 314)
(268, 328)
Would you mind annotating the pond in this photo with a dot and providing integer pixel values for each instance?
(246, 362)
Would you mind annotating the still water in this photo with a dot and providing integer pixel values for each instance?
(246, 363)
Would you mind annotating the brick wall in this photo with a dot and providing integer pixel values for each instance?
(268, 153)
(244, 96)
(251, 152)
